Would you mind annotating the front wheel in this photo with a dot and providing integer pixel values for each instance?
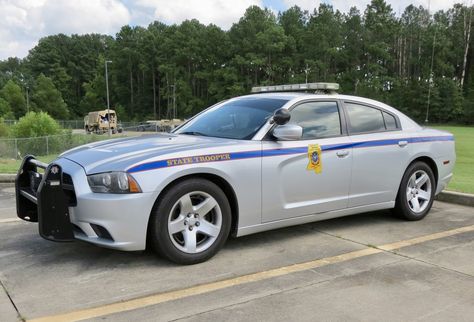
(190, 222)
(416, 192)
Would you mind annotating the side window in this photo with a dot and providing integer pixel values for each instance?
(318, 119)
(390, 122)
(364, 119)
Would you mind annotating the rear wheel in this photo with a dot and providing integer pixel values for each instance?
(416, 192)
(191, 222)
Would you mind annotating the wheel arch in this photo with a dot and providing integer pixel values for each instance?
(220, 182)
(430, 162)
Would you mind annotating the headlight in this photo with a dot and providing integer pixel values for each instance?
(113, 182)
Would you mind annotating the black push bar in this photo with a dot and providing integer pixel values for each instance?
(44, 198)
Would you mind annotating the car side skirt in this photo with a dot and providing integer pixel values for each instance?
(242, 231)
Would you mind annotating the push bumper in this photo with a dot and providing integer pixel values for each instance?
(45, 198)
(67, 209)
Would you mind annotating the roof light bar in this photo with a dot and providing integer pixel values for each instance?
(325, 87)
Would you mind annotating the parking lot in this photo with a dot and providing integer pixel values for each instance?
(369, 267)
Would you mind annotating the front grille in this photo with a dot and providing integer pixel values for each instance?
(68, 188)
(67, 179)
(35, 180)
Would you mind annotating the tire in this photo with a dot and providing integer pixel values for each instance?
(414, 200)
(182, 233)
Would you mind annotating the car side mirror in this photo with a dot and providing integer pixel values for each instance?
(288, 132)
(281, 116)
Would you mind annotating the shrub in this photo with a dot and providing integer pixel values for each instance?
(34, 125)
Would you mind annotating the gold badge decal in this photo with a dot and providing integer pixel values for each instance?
(314, 157)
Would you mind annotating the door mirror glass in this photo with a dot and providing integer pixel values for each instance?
(281, 116)
(288, 132)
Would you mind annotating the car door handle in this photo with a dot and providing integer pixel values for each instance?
(342, 153)
(402, 143)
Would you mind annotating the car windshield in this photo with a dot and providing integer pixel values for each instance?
(235, 119)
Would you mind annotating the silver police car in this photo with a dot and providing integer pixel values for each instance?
(276, 158)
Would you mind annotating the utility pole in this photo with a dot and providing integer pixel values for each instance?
(431, 77)
(467, 37)
(431, 69)
(107, 88)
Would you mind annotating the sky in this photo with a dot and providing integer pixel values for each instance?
(24, 22)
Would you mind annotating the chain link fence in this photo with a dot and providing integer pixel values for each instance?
(66, 124)
(79, 124)
(165, 125)
(16, 148)
(44, 145)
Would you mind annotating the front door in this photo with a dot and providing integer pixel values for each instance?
(311, 175)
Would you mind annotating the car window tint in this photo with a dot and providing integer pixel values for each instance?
(364, 118)
(390, 122)
(318, 119)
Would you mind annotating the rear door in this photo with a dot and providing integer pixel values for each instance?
(380, 153)
(293, 182)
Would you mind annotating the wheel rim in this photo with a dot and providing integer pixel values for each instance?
(194, 222)
(418, 191)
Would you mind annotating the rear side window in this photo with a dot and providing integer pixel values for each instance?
(318, 119)
(390, 122)
(364, 119)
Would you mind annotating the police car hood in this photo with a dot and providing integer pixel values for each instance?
(120, 154)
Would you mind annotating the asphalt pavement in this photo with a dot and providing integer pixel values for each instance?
(368, 267)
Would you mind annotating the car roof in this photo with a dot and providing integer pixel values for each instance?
(294, 97)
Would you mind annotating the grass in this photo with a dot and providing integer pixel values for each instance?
(463, 178)
(12, 166)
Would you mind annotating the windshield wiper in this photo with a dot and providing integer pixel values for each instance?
(194, 133)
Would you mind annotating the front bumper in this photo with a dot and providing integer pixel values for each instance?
(65, 208)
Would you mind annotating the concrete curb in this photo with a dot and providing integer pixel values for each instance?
(7, 178)
(459, 198)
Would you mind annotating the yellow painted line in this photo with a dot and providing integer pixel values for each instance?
(142, 302)
(9, 220)
(426, 238)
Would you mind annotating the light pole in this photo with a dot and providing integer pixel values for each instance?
(107, 88)
(174, 101)
(27, 100)
(306, 71)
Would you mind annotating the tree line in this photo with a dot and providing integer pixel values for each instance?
(414, 61)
